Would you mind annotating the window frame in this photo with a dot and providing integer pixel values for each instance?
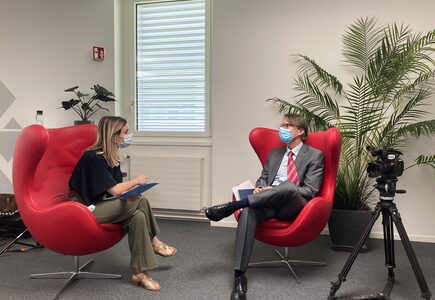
(128, 77)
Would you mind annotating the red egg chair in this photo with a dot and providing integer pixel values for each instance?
(42, 165)
(314, 216)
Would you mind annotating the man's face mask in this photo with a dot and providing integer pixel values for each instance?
(285, 135)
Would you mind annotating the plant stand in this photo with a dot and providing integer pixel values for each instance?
(80, 122)
(346, 226)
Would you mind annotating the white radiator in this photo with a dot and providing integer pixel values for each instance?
(179, 178)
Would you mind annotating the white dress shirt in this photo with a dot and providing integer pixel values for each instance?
(281, 175)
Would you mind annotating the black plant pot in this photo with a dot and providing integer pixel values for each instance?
(346, 227)
(80, 122)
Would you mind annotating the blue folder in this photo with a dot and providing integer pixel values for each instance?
(243, 193)
(135, 191)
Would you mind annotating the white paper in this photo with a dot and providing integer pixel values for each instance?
(244, 185)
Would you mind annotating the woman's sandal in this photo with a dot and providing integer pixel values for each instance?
(165, 250)
(146, 281)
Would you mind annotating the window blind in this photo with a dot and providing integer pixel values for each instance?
(170, 66)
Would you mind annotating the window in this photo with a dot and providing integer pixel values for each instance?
(170, 66)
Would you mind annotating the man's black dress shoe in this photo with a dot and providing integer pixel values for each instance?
(218, 212)
(240, 288)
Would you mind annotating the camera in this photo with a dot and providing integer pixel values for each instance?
(387, 163)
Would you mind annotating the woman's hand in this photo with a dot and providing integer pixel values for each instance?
(123, 187)
(141, 179)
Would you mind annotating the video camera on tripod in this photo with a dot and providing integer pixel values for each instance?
(388, 163)
(386, 168)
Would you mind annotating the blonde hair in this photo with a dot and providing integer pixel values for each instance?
(109, 129)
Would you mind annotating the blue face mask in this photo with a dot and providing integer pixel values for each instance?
(285, 135)
(127, 140)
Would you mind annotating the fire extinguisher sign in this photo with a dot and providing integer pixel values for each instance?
(97, 53)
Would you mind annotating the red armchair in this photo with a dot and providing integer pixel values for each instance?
(43, 162)
(314, 216)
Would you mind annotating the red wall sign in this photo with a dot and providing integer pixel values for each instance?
(97, 53)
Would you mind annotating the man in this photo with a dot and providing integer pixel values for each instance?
(291, 176)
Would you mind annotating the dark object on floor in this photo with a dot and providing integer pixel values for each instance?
(12, 225)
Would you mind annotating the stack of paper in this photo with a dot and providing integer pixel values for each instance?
(242, 190)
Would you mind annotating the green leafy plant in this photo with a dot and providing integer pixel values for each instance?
(383, 106)
(84, 104)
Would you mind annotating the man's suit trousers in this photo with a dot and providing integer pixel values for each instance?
(282, 202)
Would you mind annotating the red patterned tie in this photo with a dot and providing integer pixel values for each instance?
(292, 173)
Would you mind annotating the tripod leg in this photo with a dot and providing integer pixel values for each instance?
(426, 294)
(390, 263)
(342, 276)
(387, 224)
(13, 242)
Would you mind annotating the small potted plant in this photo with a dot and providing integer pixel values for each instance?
(85, 105)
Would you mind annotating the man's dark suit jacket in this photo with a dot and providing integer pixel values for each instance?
(309, 165)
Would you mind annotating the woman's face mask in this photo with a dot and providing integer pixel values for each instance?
(127, 140)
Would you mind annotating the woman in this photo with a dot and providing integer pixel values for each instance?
(96, 176)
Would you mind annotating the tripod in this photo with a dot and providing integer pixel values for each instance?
(15, 241)
(390, 214)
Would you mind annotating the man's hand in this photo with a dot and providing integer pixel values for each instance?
(261, 189)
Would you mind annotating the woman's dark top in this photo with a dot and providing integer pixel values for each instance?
(92, 177)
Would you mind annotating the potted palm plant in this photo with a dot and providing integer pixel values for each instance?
(85, 105)
(383, 106)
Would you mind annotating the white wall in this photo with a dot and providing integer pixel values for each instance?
(252, 41)
(45, 48)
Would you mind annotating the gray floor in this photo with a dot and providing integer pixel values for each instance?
(202, 269)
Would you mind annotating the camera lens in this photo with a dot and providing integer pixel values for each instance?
(374, 169)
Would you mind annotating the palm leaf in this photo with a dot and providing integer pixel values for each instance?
(385, 68)
(312, 98)
(422, 78)
(353, 190)
(315, 122)
(361, 41)
(318, 75)
(426, 128)
(284, 106)
(403, 56)
(402, 117)
(362, 115)
(410, 111)
(424, 160)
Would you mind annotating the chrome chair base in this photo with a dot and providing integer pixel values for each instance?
(78, 273)
(285, 261)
